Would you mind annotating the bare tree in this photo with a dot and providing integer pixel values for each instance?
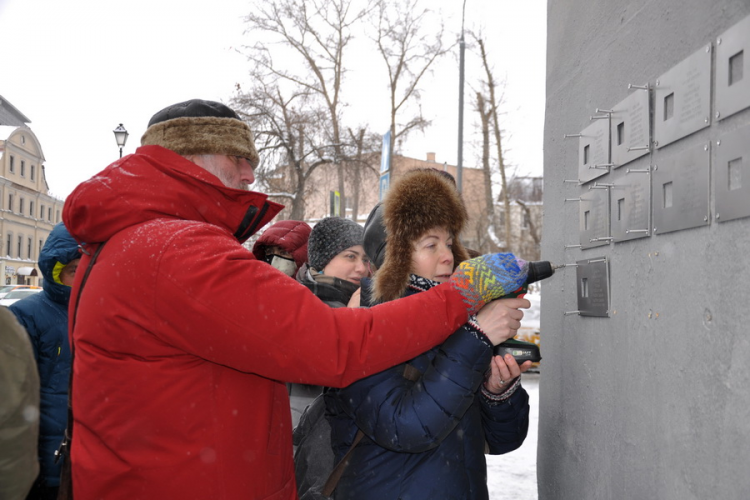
(409, 44)
(364, 159)
(315, 34)
(284, 128)
(493, 114)
(488, 226)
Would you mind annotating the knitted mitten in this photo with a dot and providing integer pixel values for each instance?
(489, 277)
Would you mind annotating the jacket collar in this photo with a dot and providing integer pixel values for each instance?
(156, 183)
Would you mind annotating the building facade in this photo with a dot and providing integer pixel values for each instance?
(27, 210)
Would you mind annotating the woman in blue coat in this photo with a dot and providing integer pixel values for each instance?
(45, 317)
(425, 436)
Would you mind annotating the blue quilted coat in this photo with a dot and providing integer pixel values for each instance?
(45, 317)
(425, 439)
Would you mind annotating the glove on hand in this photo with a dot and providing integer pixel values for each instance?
(489, 277)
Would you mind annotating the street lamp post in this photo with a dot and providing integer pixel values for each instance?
(460, 162)
(121, 136)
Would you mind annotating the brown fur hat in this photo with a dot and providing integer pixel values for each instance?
(199, 127)
(418, 201)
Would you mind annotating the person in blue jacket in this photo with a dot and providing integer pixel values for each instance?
(45, 317)
(425, 434)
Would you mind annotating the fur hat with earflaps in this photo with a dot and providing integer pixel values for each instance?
(199, 127)
(417, 202)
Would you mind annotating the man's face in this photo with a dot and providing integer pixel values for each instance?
(233, 171)
(68, 273)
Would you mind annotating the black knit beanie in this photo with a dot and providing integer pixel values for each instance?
(198, 127)
(330, 237)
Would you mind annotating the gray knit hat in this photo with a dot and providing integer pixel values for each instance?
(330, 237)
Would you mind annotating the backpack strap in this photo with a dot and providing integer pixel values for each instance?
(66, 474)
(410, 373)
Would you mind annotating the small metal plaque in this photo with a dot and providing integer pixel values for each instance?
(630, 203)
(732, 69)
(592, 278)
(593, 217)
(732, 175)
(682, 99)
(630, 130)
(680, 190)
(593, 151)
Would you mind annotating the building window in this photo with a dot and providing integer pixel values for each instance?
(49, 214)
(20, 209)
(41, 215)
(31, 208)
(12, 164)
(20, 240)
(33, 167)
(28, 250)
(41, 245)
(10, 203)
(23, 168)
(7, 244)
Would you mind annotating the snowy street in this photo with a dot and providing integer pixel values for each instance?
(513, 476)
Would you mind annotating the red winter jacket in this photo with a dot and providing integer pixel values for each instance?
(291, 235)
(183, 339)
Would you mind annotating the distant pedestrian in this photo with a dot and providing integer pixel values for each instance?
(284, 246)
(45, 317)
(183, 339)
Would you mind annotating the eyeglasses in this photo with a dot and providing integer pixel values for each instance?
(248, 160)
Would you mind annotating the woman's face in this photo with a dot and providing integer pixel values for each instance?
(432, 257)
(350, 265)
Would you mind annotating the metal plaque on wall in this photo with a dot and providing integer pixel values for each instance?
(592, 277)
(630, 133)
(593, 151)
(682, 98)
(593, 217)
(732, 88)
(630, 203)
(680, 190)
(732, 175)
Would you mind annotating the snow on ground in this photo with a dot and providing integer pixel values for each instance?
(513, 476)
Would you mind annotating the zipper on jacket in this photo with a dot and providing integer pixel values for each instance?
(250, 222)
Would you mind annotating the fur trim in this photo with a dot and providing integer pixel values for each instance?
(417, 202)
(203, 135)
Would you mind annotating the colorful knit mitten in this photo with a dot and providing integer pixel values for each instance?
(489, 277)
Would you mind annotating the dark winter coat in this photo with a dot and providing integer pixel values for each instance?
(313, 457)
(45, 317)
(183, 338)
(335, 293)
(425, 439)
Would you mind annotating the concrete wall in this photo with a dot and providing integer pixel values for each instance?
(652, 402)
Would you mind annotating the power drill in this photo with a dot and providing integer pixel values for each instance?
(520, 350)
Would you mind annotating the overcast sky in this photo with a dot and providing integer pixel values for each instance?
(79, 68)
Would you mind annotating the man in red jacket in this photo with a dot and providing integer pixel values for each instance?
(178, 369)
